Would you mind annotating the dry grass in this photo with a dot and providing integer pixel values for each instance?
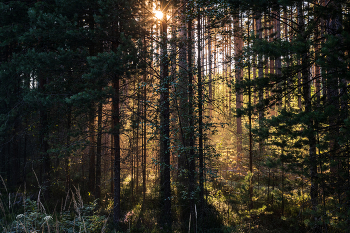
(31, 216)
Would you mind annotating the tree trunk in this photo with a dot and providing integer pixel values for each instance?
(210, 64)
(250, 133)
(182, 111)
(165, 191)
(92, 154)
(260, 76)
(67, 158)
(144, 129)
(278, 62)
(190, 138)
(137, 141)
(99, 153)
(44, 145)
(200, 116)
(238, 43)
(336, 87)
(116, 139)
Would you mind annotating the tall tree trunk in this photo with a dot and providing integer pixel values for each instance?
(200, 115)
(116, 139)
(165, 191)
(190, 138)
(144, 128)
(92, 114)
(317, 73)
(210, 64)
(288, 37)
(238, 43)
(250, 131)
(278, 62)
(300, 28)
(260, 76)
(254, 62)
(182, 111)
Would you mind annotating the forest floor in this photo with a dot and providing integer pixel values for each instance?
(225, 210)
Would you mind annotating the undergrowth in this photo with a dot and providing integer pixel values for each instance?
(20, 213)
(225, 209)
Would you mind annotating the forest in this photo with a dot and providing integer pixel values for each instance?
(174, 116)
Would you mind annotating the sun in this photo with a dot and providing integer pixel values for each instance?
(158, 14)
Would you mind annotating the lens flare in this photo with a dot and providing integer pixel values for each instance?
(158, 14)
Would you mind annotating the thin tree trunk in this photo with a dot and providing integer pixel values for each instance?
(260, 76)
(112, 160)
(98, 152)
(191, 155)
(116, 139)
(210, 68)
(300, 27)
(200, 116)
(92, 114)
(68, 159)
(92, 153)
(250, 133)
(132, 156)
(137, 152)
(44, 144)
(144, 162)
(278, 62)
(238, 43)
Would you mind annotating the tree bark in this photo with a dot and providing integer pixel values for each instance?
(116, 139)
(92, 154)
(164, 107)
(144, 129)
(210, 64)
(260, 76)
(98, 152)
(238, 43)
(250, 132)
(200, 116)
(191, 155)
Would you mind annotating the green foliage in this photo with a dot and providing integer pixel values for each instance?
(34, 218)
(304, 137)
